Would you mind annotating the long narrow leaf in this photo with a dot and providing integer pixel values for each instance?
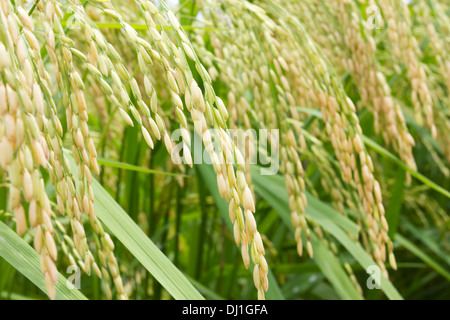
(382, 151)
(134, 239)
(274, 292)
(333, 271)
(276, 192)
(393, 210)
(328, 222)
(144, 250)
(130, 167)
(427, 240)
(423, 256)
(325, 260)
(24, 259)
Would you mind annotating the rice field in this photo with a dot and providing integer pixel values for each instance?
(228, 149)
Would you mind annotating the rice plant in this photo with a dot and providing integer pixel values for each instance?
(228, 149)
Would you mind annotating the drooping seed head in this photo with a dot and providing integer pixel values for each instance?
(248, 201)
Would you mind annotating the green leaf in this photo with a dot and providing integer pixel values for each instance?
(14, 296)
(333, 271)
(330, 220)
(427, 239)
(393, 210)
(271, 188)
(131, 167)
(205, 290)
(144, 250)
(422, 256)
(24, 259)
(209, 177)
(275, 191)
(134, 239)
(382, 151)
